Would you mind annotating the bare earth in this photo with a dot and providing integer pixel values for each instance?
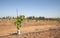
(7, 27)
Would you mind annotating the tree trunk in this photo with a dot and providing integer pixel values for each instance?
(18, 31)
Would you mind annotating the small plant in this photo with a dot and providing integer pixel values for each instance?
(18, 23)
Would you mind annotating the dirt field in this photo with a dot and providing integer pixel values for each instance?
(29, 26)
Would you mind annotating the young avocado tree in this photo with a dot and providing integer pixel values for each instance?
(18, 22)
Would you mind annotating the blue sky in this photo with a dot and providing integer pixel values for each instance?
(46, 8)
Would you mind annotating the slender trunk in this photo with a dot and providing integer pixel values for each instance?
(18, 31)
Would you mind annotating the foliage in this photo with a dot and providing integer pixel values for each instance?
(35, 18)
(18, 21)
(3, 17)
(43, 18)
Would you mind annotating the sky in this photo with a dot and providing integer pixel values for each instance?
(45, 8)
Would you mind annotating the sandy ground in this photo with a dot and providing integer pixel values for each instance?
(7, 27)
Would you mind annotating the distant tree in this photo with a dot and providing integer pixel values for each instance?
(18, 22)
(41, 18)
(29, 17)
(33, 17)
(3, 17)
(13, 17)
(8, 17)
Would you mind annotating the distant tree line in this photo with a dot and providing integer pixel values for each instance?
(7, 17)
(32, 18)
(41, 18)
(35, 18)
